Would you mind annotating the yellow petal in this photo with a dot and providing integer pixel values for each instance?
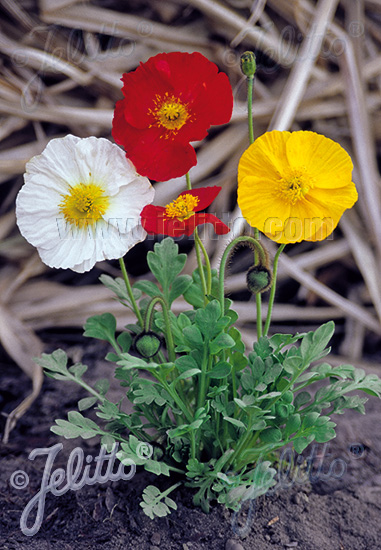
(324, 160)
(261, 207)
(265, 157)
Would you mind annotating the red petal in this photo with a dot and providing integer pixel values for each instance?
(206, 196)
(219, 227)
(155, 222)
(153, 156)
(153, 219)
(214, 111)
(177, 228)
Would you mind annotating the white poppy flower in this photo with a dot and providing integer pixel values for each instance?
(81, 203)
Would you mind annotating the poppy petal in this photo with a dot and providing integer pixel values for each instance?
(219, 227)
(206, 196)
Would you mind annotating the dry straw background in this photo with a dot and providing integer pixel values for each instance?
(319, 69)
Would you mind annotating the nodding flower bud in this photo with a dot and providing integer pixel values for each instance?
(248, 64)
(147, 344)
(258, 279)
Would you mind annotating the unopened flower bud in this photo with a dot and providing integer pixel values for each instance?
(258, 279)
(147, 344)
(248, 64)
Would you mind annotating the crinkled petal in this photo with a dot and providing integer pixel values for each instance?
(126, 206)
(261, 206)
(155, 221)
(219, 227)
(154, 157)
(326, 161)
(266, 157)
(206, 196)
(57, 165)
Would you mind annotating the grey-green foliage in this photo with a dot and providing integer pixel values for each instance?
(214, 414)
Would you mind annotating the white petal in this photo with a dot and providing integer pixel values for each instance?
(56, 166)
(125, 207)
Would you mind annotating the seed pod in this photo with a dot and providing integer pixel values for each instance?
(147, 344)
(248, 64)
(258, 279)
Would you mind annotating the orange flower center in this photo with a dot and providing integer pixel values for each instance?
(182, 208)
(170, 113)
(295, 185)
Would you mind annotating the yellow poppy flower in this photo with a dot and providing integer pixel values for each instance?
(295, 186)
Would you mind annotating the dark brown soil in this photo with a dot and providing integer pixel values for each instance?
(336, 511)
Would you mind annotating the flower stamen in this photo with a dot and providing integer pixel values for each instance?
(85, 204)
(182, 208)
(295, 186)
(170, 113)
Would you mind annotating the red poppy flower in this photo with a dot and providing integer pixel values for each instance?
(180, 217)
(170, 100)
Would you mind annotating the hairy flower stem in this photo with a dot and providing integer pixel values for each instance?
(250, 84)
(273, 288)
(258, 298)
(129, 291)
(168, 330)
(259, 253)
(198, 252)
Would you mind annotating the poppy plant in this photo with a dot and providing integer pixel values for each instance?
(169, 101)
(182, 216)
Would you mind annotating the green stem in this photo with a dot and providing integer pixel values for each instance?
(200, 266)
(250, 83)
(207, 264)
(197, 247)
(88, 388)
(175, 396)
(129, 291)
(259, 250)
(273, 288)
(241, 445)
(172, 488)
(258, 297)
(168, 330)
(204, 369)
(193, 444)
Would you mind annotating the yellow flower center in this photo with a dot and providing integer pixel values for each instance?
(85, 204)
(182, 208)
(295, 186)
(170, 113)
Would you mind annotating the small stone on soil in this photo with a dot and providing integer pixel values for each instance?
(233, 545)
(156, 538)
